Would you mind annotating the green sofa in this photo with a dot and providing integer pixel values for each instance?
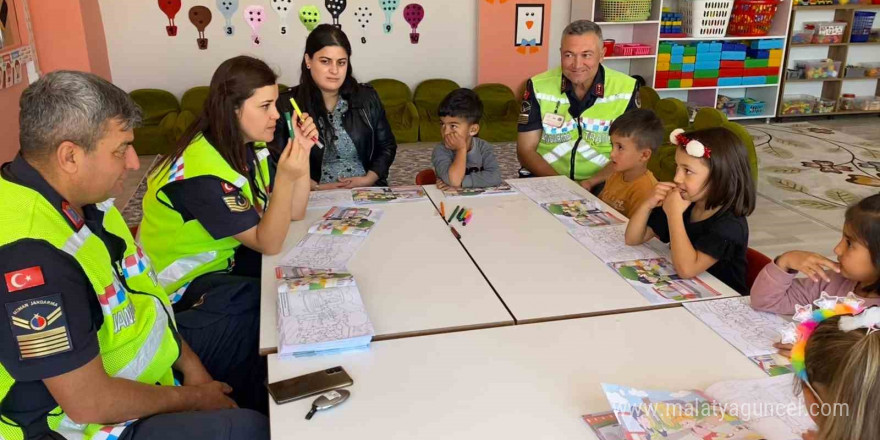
(427, 99)
(500, 112)
(191, 104)
(160, 112)
(400, 111)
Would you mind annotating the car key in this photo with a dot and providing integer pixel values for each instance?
(327, 400)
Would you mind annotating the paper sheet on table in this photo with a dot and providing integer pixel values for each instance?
(545, 189)
(318, 251)
(609, 245)
(750, 331)
(789, 416)
(327, 199)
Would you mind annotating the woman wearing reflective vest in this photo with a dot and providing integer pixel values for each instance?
(217, 203)
(214, 206)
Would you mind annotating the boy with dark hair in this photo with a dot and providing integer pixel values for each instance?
(463, 160)
(635, 135)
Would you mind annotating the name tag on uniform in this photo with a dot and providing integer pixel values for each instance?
(554, 120)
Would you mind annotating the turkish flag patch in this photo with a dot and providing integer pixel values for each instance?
(227, 187)
(24, 279)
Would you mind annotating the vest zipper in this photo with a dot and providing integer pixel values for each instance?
(574, 150)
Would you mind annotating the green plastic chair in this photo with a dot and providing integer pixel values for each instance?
(427, 99)
(500, 112)
(400, 111)
(160, 111)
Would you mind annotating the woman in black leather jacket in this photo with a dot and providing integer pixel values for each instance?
(358, 144)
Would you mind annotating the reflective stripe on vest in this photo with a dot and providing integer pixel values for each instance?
(179, 268)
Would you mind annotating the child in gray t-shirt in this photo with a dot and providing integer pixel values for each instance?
(463, 160)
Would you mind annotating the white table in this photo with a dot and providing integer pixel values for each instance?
(414, 277)
(537, 268)
(521, 382)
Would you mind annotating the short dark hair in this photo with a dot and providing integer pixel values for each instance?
(863, 220)
(462, 103)
(642, 125)
(730, 178)
(71, 106)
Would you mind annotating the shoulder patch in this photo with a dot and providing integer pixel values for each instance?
(237, 202)
(525, 110)
(227, 187)
(39, 326)
(24, 279)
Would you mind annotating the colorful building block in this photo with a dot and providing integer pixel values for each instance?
(675, 75)
(705, 82)
(716, 46)
(676, 59)
(663, 57)
(662, 75)
(662, 66)
(776, 54)
(754, 80)
(688, 67)
(687, 75)
(708, 65)
(729, 64)
(674, 83)
(686, 83)
(711, 56)
(774, 62)
(773, 79)
(689, 59)
(675, 67)
(706, 74)
(756, 63)
(730, 72)
(690, 50)
(664, 48)
(660, 83)
(724, 82)
(678, 49)
(758, 54)
(733, 56)
(767, 44)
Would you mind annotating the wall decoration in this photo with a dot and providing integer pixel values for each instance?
(4, 17)
(255, 15)
(282, 7)
(501, 2)
(364, 16)
(309, 16)
(200, 17)
(336, 7)
(529, 34)
(413, 14)
(170, 8)
(8, 72)
(388, 6)
(228, 8)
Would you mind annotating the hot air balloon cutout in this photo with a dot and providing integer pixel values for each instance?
(255, 15)
(200, 16)
(388, 6)
(364, 16)
(309, 16)
(282, 7)
(228, 8)
(413, 14)
(170, 8)
(335, 8)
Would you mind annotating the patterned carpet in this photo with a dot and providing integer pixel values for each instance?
(411, 158)
(815, 171)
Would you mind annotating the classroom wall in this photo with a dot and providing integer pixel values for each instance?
(68, 34)
(499, 59)
(142, 55)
